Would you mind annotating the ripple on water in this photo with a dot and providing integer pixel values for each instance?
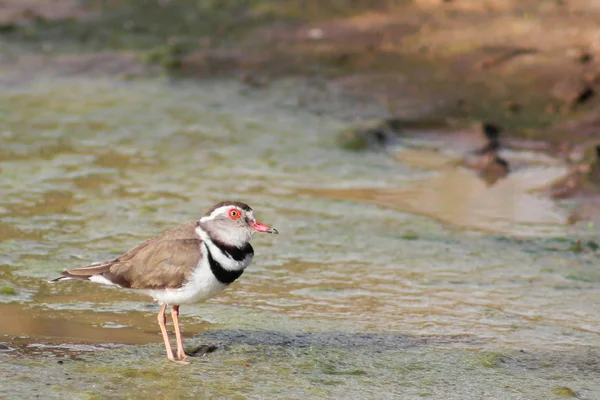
(367, 243)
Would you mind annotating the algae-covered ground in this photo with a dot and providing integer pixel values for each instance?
(259, 364)
(447, 299)
(397, 274)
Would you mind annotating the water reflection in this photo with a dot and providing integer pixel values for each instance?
(460, 198)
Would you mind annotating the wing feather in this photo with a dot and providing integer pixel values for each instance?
(165, 261)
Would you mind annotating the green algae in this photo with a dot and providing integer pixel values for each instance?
(316, 372)
(134, 373)
(8, 291)
(169, 56)
(332, 370)
(411, 367)
(487, 359)
(350, 140)
(491, 360)
(564, 391)
(410, 236)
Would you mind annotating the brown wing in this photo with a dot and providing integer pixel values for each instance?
(165, 264)
(165, 261)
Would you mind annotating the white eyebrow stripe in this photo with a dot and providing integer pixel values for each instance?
(221, 210)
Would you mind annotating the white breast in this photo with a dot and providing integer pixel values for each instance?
(202, 284)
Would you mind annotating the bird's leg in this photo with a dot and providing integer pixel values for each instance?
(162, 323)
(175, 315)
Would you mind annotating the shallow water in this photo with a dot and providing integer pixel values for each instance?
(369, 244)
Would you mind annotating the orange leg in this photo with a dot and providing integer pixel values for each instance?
(162, 323)
(180, 351)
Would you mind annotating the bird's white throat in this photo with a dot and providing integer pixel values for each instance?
(220, 257)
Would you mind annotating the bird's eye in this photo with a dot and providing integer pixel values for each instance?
(234, 213)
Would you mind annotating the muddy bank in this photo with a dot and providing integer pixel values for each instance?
(454, 62)
(449, 59)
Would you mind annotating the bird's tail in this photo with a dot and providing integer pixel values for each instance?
(85, 273)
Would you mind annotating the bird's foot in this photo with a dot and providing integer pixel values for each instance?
(179, 361)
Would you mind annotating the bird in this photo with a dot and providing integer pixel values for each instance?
(491, 133)
(489, 165)
(187, 264)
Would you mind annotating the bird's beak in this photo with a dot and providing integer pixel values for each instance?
(260, 227)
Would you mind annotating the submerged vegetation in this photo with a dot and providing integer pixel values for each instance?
(404, 278)
(8, 291)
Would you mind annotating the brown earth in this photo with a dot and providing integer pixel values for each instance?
(525, 64)
(24, 11)
(530, 66)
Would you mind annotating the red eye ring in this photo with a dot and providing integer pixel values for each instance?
(234, 213)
